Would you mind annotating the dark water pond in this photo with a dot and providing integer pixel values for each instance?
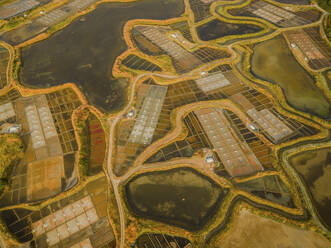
(180, 197)
(218, 29)
(298, 2)
(163, 240)
(85, 51)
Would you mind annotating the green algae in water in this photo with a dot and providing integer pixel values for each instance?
(273, 61)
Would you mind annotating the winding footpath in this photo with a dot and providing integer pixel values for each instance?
(114, 120)
(112, 124)
(302, 187)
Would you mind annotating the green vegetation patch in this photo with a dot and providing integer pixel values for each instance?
(325, 4)
(273, 61)
(92, 139)
(11, 150)
(327, 26)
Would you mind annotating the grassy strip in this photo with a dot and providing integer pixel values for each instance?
(327, 26)
(11, 151)
(85, 149)
(325, 4)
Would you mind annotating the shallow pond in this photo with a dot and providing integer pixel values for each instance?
(180, 197)
(273, 61)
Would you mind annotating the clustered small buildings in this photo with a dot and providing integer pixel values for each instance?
(314, 49)
(275, 15)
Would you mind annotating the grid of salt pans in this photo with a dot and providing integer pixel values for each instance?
(275, 14)
(158, 36)
(67, 221)
(224, 143)
(86, 243)
(270, 123)
(41, 124)
(148, 116)
(80, 4)
(34, 126)
(212, 82)
(305, 43)
(52, 17)
(6, 111)
(16, 8)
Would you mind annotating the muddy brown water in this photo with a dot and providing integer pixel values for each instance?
(84, 52)
(273, 61)
(314, 167)
(180, 197)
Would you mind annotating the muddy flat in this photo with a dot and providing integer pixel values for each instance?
(250, 231)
